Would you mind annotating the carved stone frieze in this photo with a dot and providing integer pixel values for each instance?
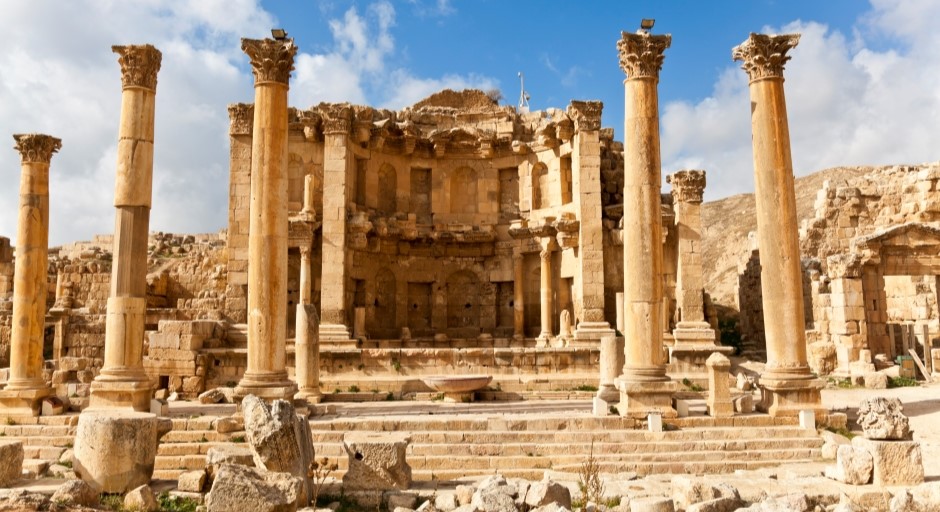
(764, 55)
(687, 186)
(241, 118)
(36, 147)
(271, 60)
(586, 114)
(641, 54)
(139, 65)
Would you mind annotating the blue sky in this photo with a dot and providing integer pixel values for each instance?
(863, 86)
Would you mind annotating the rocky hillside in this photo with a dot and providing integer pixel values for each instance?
(728, 221)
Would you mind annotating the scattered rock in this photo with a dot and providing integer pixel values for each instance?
(853, 466)
(213, 396)
(192, 481)
(882, 418)
(11, 462)
(280, 440)
(401, 500)
(545, 492)
(688, 491)
(141, 499)
(722, 504)
(652, 504)
(75, 492)
(239, 489)
(792, 502)
(464, 494)
(229, 425)
(376, 461)
(831, 443)
(875, 380)
(445, 502)
(218, 455)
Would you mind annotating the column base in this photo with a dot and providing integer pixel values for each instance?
(687, 360)
(267, 386)
(592, 332)
(24, 401)
(311, 396)
(544, 340)
(694, 332)
(787, 397)
(335, 333)
(638, 397)
(110, 394)
(607, 397)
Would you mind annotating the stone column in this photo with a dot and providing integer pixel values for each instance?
(611, 362)
(306, 279)
(26, 388)
(266, 374)
(307, 354)
(122, 381)
(336, 162)
(789, 385)
(308, 212)
(546, 294)
(643, 386)
(586, 177)
(518, 300)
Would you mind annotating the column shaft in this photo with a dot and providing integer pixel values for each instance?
(26, 386)
(306, 281)
(518, 301)
(546, 295)
(122, 381)
(336, 162)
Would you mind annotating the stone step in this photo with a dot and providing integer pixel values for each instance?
(555, 449)
(36, 430)
(67, 420)
(198, 436)
(42, 441)
(181, 462)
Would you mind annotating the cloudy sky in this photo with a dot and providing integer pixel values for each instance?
(863, 86)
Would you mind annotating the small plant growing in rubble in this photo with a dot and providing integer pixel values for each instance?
(589, 479)
(318, 471)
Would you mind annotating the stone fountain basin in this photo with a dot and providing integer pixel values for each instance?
(457, 383)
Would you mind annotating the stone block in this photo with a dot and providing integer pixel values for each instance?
(11, 462)
(376, 461)
(141, 499)
(191, 481)
(226, 454)
(76, 493)
(894, 462)
(279, 439)
(239, 488)
(115, 449)
(545, 492)
(875, 380)
(853, 465)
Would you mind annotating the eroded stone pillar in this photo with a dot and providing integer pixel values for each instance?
(26, 388)
(337, 160)
(789, 385)
(643, 386)
(546, 293)
(266, 374)
(122, 381)
(518, 300)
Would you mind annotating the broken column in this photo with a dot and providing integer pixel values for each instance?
(611, 361)
(719, 402)
(789, 385)
(307, 354)
(26, 387)
(266, 373)
(694, 336)
(643, 386)
(122, 381)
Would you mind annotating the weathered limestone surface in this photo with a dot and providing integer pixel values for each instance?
(719, 396)
(546, 492)
(115, 449)
(238, 488)
(219, 455)
(853, 465)
(787, 378)
(76, 492)
(894, 462)
(11, 462)
(883, 418)
(141, 499)
(376, 461)
(280, 439)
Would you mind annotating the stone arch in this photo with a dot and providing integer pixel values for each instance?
(388, 188)
(463, 304)
(463, 191)
(385, 304)
(541, 192)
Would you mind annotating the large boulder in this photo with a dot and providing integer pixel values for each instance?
(882, 418)
(11, 462)
(239, 488)
(376, 461)
(115, 449)
(280, 439)
(853, 466)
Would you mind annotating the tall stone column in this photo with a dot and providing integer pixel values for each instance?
(643, 385)
(266, 374)
(122, 381)
(789, 385)
(26, 388)
(518, 300)
(546, 293)
(306, 277)
(337, 160)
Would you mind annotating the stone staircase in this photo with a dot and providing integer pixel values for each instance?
(44, 438)
(446, 446)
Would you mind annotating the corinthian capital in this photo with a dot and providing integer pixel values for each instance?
(241, 118)
(271, 60)
(139, 65)
(36, 147)
(641, 54)
(586, 114)
(764, 55)
(687, 186)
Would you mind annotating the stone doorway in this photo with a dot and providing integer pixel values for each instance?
(463, 305)
(419, 309)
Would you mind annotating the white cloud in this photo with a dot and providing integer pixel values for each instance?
(849, 102)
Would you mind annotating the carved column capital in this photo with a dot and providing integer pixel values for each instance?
(271, 60)
(641, 54)
(545, 254)
(36, 147)
(586, 114)
(305, 251)
(687, 186)
(764, 55)
(241, 118)
(139, 65)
